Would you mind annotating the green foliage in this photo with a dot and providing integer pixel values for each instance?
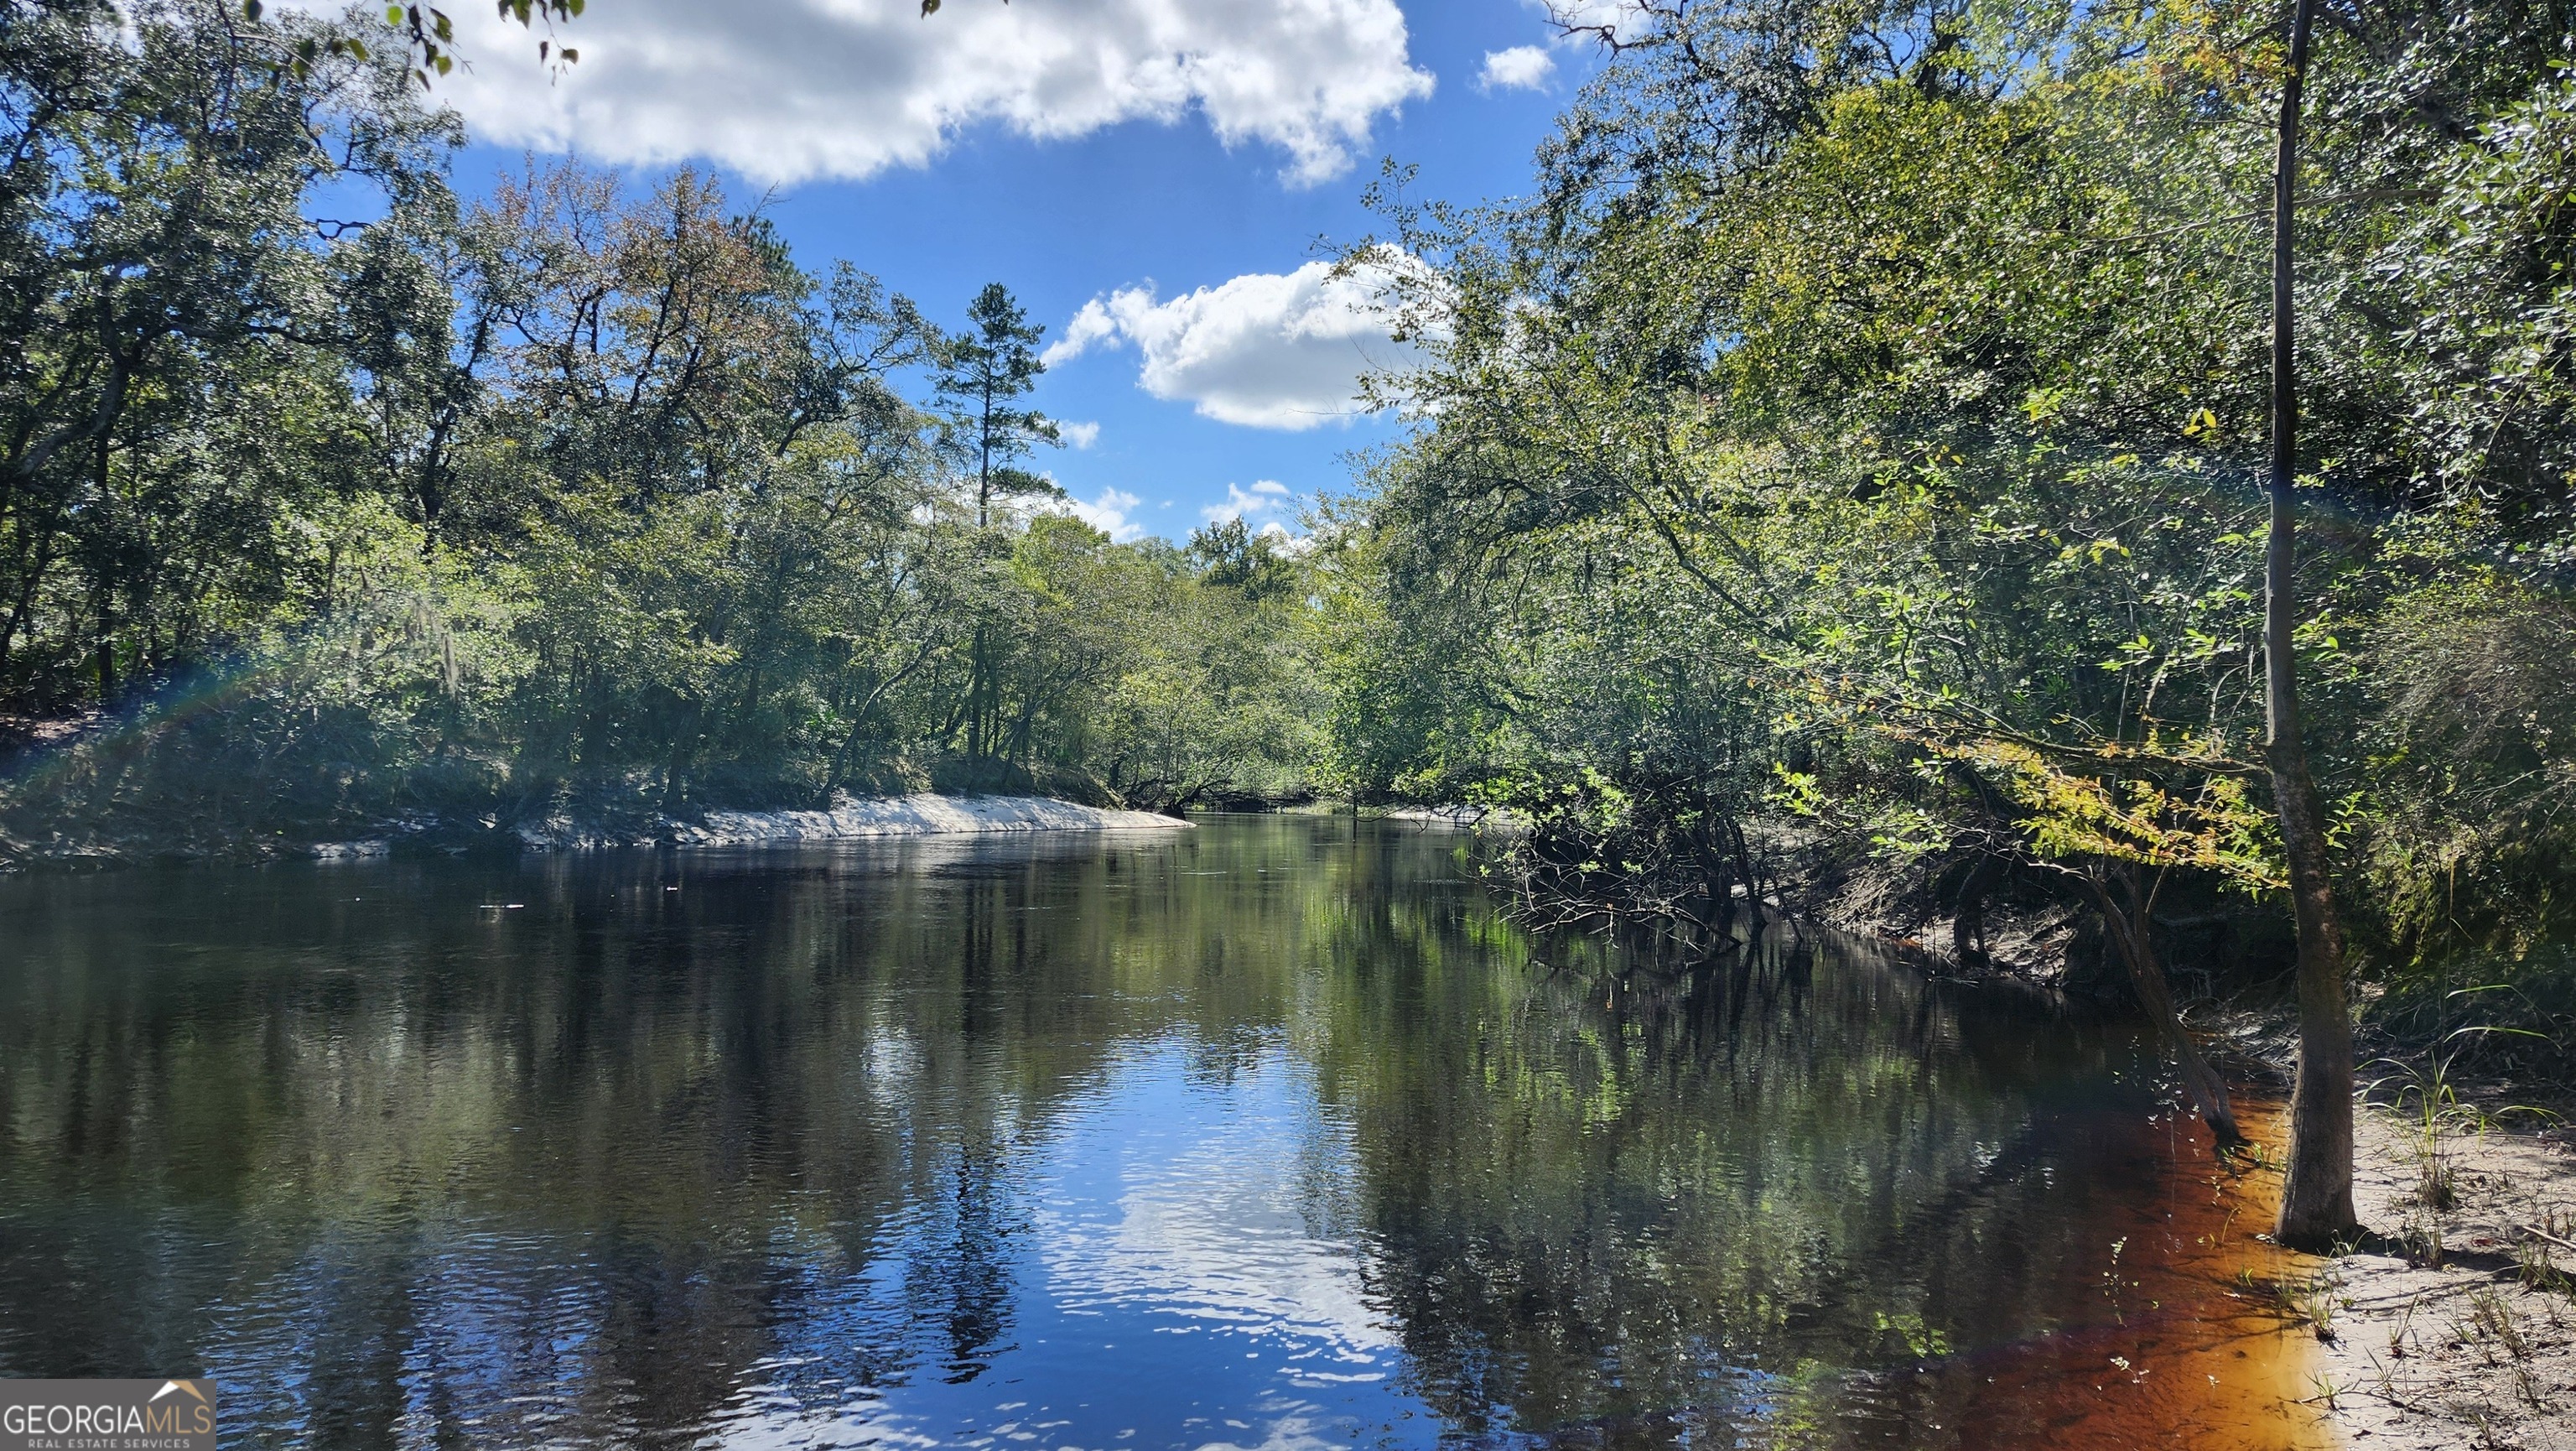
(1863, 427)
(569, 496)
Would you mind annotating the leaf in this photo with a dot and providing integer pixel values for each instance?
(929, 8)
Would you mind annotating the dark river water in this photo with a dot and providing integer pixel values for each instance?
(1267, 1134)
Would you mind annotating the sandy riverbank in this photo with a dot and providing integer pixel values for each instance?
(861, 820)
(2461, 1330)
(849, 819)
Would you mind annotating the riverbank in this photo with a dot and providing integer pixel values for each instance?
(2457, 1327)
(922, 814)
(850, 819)
(2454, 1325)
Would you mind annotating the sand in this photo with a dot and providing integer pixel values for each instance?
(2459, 1329)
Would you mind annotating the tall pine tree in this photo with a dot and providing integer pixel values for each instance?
(984, 372)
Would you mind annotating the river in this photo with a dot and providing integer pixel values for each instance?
(1268, 1134)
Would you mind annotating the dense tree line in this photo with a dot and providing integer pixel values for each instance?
(1848, 465)
(329, 494)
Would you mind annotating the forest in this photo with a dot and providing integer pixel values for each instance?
(1848, 476)
(331, 495)
(1838, 485)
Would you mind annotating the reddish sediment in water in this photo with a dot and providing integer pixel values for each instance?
(2184, 1341)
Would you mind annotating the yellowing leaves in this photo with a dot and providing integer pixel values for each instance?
(2113, 813)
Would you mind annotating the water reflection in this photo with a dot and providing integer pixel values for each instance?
(1269, 1135)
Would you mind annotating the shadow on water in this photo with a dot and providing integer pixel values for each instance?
(1273, 1134)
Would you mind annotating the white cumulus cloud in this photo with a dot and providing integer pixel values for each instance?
(1268, 350)
(1287, 541)
(1093, 324)
(1264, 496)
(1109, 513)
(1523, 67)
(787, 90)
(1080, 435)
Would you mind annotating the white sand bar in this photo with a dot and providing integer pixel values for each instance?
(923, 815)
(850, 819)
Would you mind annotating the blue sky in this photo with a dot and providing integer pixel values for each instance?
(1169, 164)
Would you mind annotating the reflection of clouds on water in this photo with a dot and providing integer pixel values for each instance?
(1208, 1230)
(891, 1061)
(1183, 1278)
(1288, 1433)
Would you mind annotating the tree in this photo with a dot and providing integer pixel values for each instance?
(1919, 350)
(1230, 554)
(185, 358)
(982, 374)
(2316, 1194)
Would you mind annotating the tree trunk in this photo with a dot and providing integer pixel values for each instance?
(1968, 923)
(2316, 1196)
(859, 717)
(1744, 869)
(976, 672)
(2128, 934)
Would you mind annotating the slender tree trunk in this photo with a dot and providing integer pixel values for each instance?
(106, 648)
(19, 608)
(105, 656)
(2129, 933)
(2316, 1196)
(1744, 869)
(1968, 923)
(984, 463)
(675, 774)
(859, 717)
(976, 670)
